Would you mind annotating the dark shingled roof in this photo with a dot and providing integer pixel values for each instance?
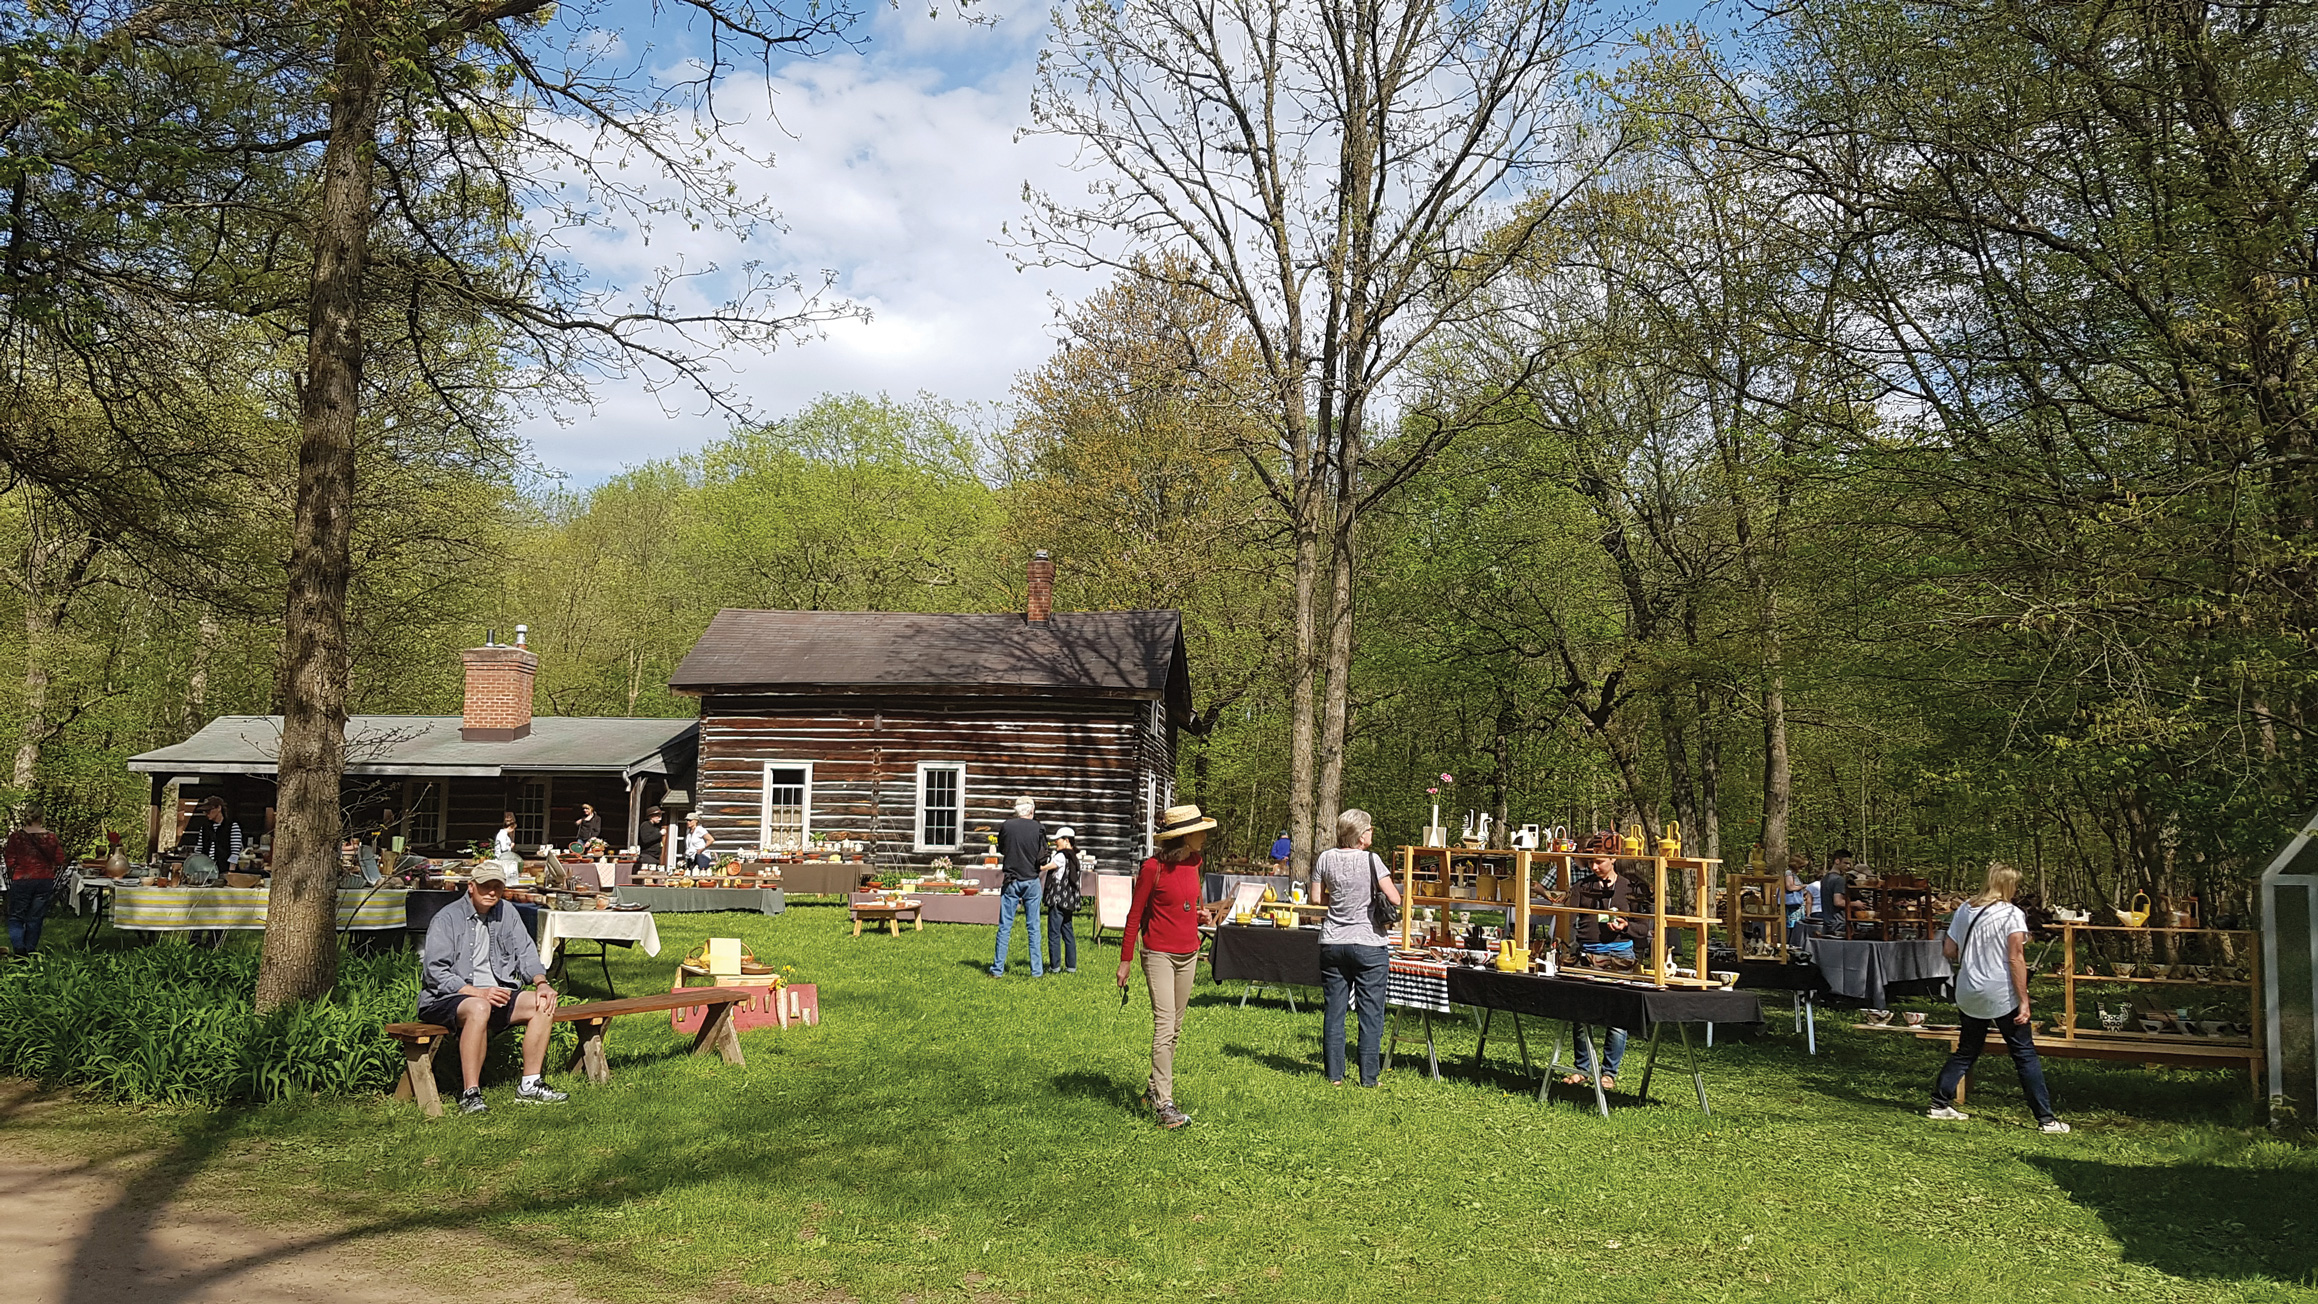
(1136, 654)
(430, 744)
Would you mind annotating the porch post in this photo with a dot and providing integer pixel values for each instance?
(153, 819)
(635, 809)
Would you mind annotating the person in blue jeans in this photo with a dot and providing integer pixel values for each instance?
(1987, 941)
(1064, 889)
(1607, 939)
(33, 854)
(1355, 959)
(1021, 851)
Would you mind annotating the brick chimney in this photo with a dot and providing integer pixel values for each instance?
(1041, 586)
(498, 693)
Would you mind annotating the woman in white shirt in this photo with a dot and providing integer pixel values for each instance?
(503, 842)
(697, 841)
(1987, 941)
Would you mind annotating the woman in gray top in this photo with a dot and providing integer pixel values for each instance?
(1354, 957)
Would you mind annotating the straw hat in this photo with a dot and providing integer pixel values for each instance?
(1179, 820)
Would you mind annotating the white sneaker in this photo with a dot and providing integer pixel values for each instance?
(1951, 1114)
(2052, 1126)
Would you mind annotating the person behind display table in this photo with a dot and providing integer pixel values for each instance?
(1607, 940)
(1796, 898)
(1987, 941)
(1355, 958)
(590, 826)
(1164, 918)
(1835, 895)
(652, 837)
(503, 842)
(697, 841)
(476, 959)
(215, 838)
(1063, 889)
(33, 855)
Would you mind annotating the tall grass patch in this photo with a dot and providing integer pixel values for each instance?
(174, 1023)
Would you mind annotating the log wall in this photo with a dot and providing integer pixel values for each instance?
(1088, 764)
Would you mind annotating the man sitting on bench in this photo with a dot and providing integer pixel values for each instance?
(477, 954)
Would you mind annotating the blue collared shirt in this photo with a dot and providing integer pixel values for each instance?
(447, 961)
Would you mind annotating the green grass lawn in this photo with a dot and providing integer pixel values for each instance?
(948, 1136)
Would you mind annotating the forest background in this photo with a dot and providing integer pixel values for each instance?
(1891, 431)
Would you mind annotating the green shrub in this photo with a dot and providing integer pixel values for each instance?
(173, 1023)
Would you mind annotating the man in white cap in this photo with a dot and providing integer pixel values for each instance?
(472, 972)
(1022, 853)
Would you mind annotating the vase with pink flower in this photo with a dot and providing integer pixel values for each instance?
(1435, 834)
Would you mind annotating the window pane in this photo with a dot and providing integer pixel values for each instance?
(939, 811)
(785, 798)
(530, 813)
(426, 814)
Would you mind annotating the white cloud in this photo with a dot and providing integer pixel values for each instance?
(896, 169)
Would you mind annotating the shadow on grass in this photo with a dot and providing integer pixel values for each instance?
(2210, 1222)
(1101, 1088)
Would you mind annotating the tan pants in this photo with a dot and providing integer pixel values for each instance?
(1170, 979)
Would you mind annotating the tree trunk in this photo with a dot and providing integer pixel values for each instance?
(197, 681)
(1336, 717)
(1302, 698)
(37, 631)
(300, 960)
(1709, 780)
(1778, 779)
(1501, 779)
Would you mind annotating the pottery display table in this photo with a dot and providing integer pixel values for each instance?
(939, 907)
(890, 912)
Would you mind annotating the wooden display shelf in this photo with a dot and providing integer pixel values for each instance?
(2069, 977)
(1523, 905)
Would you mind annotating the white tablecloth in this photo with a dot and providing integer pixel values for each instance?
(600, 925)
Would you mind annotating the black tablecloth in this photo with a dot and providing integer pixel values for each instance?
(1582, 1000)
(1773, 976)
(1876, 971)
(1266, 955)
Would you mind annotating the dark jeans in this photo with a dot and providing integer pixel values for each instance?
(1062, 940)
(27, 910)
(1350, 973)
(2019, 1038)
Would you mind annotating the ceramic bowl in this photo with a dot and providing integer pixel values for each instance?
(1877, 1018)
(2121, 970)
(1915, 1018)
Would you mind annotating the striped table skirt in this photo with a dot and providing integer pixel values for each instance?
(1418, 984)
(180, 909)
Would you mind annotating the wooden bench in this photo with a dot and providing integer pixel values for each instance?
(420, 1041)
(2129, 1048)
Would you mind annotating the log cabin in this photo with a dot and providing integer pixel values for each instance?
(447, 780)
(915, 733)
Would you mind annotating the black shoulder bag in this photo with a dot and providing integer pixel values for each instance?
(1383, 915)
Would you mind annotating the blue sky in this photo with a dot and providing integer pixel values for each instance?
(895, 166)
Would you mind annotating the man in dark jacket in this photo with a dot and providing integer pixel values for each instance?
(1610, 940)
(1021, 853)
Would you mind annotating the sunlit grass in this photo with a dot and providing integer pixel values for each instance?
(944, 1135)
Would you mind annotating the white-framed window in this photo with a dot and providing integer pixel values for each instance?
(787, 821)
(422, 806)
(531, 798)
(941, 805)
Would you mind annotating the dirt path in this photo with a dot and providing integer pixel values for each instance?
(80, 1231)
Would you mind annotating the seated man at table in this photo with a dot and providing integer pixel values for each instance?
(477, 957)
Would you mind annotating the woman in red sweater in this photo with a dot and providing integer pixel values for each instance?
(1165, 919)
